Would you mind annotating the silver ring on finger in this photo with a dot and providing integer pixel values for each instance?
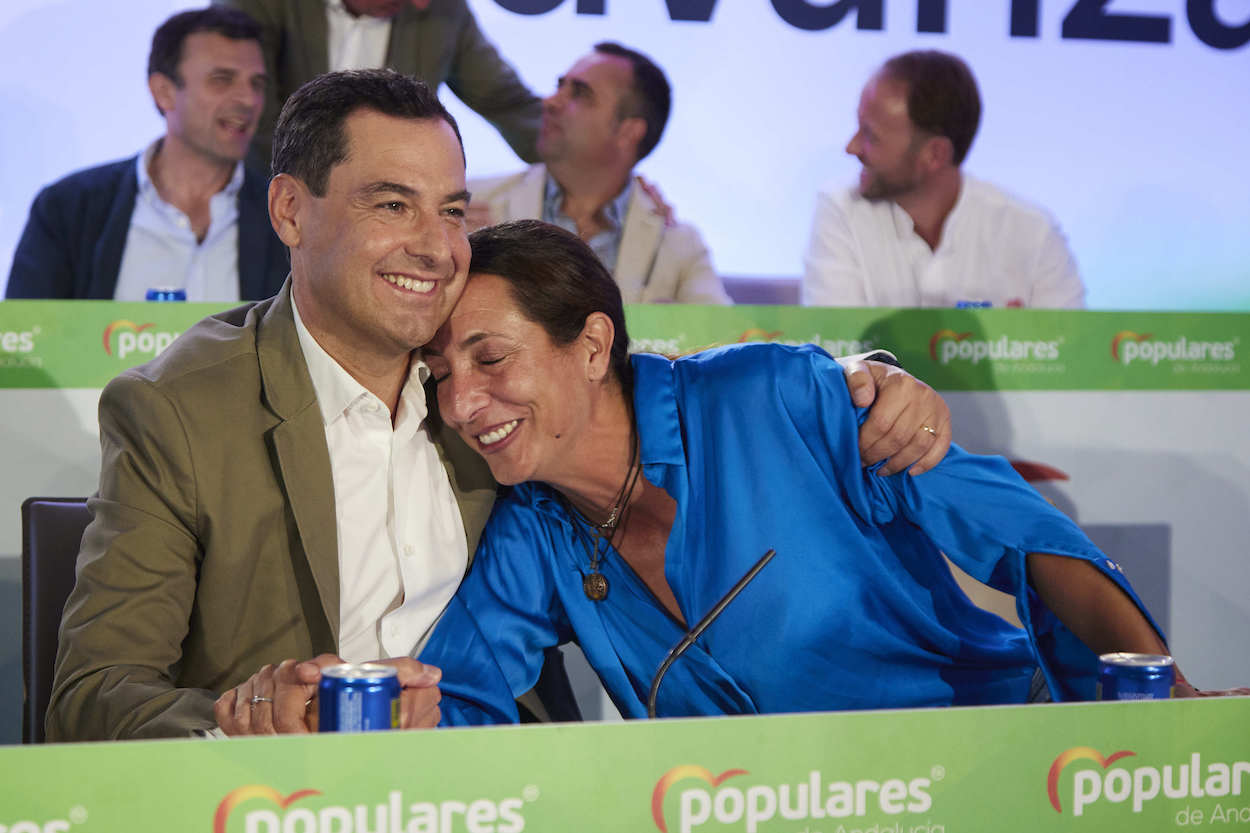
(259, 699)
(928, 428)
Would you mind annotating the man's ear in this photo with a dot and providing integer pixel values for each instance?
(287, 196)
(596, 337)
(938, 152)
(163, 89)
(630, 132)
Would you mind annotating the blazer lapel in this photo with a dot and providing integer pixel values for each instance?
(299, 445)
(640, 241)
(253, 235)
(526, 200)
(106, 261)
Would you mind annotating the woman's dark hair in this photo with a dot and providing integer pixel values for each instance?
(557, 281)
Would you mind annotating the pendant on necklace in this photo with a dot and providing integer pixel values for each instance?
(595, 586)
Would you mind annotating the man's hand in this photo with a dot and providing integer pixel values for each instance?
(908, 423)
(662, 208)
(277, 699)
(282, 699)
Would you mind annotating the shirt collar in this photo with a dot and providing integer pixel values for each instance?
(905, 227)
(613, 211)
(147, 187)
(655, 410)
(337, 391)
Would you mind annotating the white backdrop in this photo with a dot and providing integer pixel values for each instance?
(1139, 149)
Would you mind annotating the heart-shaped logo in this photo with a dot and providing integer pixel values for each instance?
(1077, 753)
(677, 774)
(237, 796)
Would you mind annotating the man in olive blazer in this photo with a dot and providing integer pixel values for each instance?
(212, 546)
(437, 41)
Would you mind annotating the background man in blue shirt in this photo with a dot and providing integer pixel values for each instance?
(185, 212)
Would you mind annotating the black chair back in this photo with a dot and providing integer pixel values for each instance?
(52, 529)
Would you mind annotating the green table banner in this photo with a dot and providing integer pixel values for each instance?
(83, 344)
(1098, 767)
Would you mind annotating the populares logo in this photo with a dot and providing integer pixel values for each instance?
(259, 808)
(946, 346)
(1141, 784)
(709, 799)
(1128, 347)
(121, 338)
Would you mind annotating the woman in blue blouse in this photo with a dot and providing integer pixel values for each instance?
(645, 488)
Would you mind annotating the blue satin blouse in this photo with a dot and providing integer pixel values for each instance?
(757, 444)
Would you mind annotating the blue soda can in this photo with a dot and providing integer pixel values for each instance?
(1135, 677)
(165, 293)
(360, 697)
(973, 304)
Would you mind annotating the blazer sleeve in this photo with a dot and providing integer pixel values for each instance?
(130, 610)
(974, 508)
(482, 79)
(42, 265)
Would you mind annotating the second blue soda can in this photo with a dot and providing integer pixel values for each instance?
(1125, 676)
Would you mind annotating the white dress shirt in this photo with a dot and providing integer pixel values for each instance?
(401, 542)
(161, 249)
(994, 248)
(355, 42)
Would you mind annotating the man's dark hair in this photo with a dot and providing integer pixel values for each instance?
(557, 281)
(942, 96)
(310, 139)
(650, 98)
(171, 36)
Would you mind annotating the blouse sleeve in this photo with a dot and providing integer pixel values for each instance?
(982, 515)
(490, 641)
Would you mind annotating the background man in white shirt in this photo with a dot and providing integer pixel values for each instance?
(606, 114)
(186, 212)
(917, 231)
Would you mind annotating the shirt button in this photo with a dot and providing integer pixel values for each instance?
(409, 550)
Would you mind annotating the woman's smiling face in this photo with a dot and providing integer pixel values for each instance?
(514, 395)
